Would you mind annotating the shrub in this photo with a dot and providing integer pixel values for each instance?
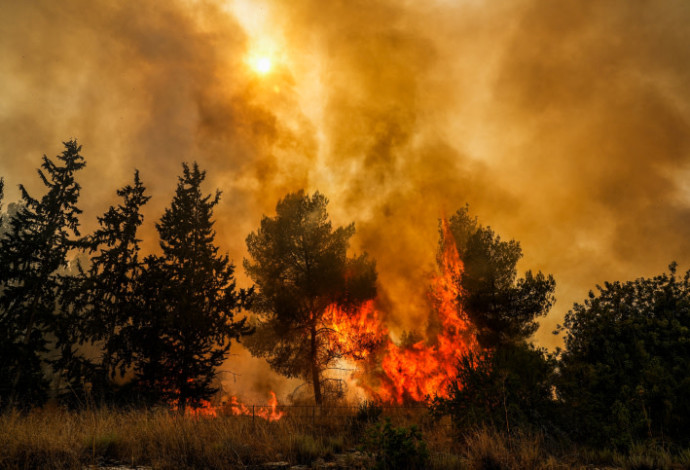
(510, 387)
(396, 448)
(624, 369)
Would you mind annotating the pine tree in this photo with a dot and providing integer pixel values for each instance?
(188, 329)
(115, 272)
(501, 306)
(40, 236)
(300, 265)
(104, 301)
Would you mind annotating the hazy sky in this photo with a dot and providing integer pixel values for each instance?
(564, 125)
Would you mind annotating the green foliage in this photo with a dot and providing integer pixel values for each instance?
(306, 449)
(300, 266)
(624, 371)
(189, 299)
(500, 305)
(396, 448)
(508, 388)
(41, 234)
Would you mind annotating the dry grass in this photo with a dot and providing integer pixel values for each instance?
(59, 439)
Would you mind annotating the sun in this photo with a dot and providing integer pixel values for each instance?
(261, 64)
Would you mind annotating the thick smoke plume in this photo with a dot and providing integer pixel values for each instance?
(564, 125)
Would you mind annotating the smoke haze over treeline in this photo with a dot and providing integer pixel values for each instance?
(564, 125)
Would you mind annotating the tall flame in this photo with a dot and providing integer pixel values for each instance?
(427, 367)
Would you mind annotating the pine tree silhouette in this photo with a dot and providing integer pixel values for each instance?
(40, 236)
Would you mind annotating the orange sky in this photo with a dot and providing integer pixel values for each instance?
(564, 125)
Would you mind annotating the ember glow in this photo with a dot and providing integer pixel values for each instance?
(206, 410)
(357, 334)
(234, 407)
(270, 413)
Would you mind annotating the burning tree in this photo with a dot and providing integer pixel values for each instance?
(506, 381)
(502, 307)
(302, 271)
(188, 322)
(423, 368)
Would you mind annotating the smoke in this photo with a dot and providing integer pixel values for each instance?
(563, 125)
(143, 85)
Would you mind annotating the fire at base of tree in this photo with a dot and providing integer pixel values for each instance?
(162, 324)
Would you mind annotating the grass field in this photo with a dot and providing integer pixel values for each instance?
(52, 438)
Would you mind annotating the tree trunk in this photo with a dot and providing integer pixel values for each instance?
(315, 372)
(27, 336)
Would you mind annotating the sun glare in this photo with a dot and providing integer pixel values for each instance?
(261, 65)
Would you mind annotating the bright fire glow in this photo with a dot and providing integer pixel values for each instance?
(270, 413)
(427, 369)
(421, 370)
(235, 407)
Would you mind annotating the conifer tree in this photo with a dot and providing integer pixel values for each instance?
(300, 265)
(502, 307)
(40, 236)
(188, 328)
(104, 301)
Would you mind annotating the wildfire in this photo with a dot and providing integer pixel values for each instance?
(389, 372)
(206, 410)
(355, 334)
(427, 367)
(235, 407)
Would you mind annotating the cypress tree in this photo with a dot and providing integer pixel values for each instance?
(41, 234)
(115, 273)
(189, 326)
(104, 301)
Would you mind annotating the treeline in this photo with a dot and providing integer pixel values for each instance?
(167, 321)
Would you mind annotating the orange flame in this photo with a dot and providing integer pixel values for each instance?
(427, 367)
(237, 408)
(400, 373)
(356, 333)
(206, 410)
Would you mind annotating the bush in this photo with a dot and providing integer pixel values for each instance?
(368, 412)
(624, 370)
(508, 388)
(396, 448)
